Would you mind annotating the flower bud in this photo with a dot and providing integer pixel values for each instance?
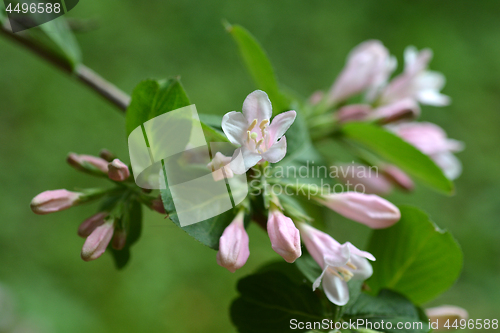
(157, 205)
(54, 201)
(284, 236)
(366, 178)
(446, 313)
(353, 112)
(91, 223)
(403, 109)
(233, 245)
(118, 171)
(98, 241)
(369, 209)
(119, 239)
(88, 163)
(399, 177)
(106, 155)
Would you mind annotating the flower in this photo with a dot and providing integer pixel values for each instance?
(402, 109)
(220, 167)
(368, 66)
(284, 236)
(369, 209)
(118, 171)
(440, 315)
(233, 245)
(252, 130)
(340, 263)
(54, 201)
(361, 176)
(432, 140)
(88, 163)
(398, 177)
(98, 241)
(416, 81)
(89, 225)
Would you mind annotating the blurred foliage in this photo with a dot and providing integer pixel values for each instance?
(173, 283)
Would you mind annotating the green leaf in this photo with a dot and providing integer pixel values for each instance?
(399, 152)
(60, 33)
(152, 98)
(414, 257)
(389, 308)
(259, 66)
(269, 301)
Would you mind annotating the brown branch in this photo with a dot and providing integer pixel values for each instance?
(84, 74)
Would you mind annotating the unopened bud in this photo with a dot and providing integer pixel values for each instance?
(284, 236)
(119, 239)
(157, 205)
(54, 201)
(118, 171)
(98, 241)
(106, 155)
(88, 163)
(91, 224)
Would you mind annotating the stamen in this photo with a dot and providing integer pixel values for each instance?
(259, 143)
(263, 123)
(346, 274)
(248, 136)
(334, 272)
(252, 125)
(351, 265)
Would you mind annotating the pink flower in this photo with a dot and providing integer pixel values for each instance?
(54, 201)
(252, 130)
(369, 209)
(416, 81)
(432, 140)
(87, 163)
(340, 263)
(91, 223)
(233, 245)
(368, 67)
(284, 236)
(402, 109)
(220, 167)
(364, 179)
(98, 241)
(398, 177)
(118, 171)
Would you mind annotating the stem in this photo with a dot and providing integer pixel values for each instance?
(81, 72)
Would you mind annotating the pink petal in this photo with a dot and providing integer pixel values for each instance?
(257, 106)
(276, 152)
(280, 124)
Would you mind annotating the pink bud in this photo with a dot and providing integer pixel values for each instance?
(440, 315)
(98, 241)
(157, 205)
(316, 97)
(284, 236)
(118, 171)
(233, 245)
(91, 223)
(403, 109)
(353, 112)
(399, 177)
(54, 201)
(368, 66)
(364, 179)
(82, 162)
(119, 239)
(369, 209)
(106, 155)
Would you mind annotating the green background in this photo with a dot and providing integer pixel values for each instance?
(173, 283)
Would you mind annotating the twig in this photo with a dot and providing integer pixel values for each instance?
(81, 72)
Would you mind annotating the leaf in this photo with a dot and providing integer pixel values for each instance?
(389, 309)
(152, 98)
(269, 301)
(60, 33)
(259, 66)
(414, 257)
(399, 152)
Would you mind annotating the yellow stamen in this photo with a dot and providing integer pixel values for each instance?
(263, 123)
(259, 143)
(248, 135)
(351, 265)
(334, 272)
(252, 125)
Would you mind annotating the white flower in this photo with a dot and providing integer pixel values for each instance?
(220, 166)
(416, 81)
(252, 130)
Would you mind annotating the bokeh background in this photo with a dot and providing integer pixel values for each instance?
(173, 283)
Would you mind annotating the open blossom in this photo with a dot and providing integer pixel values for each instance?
(416, 81)
(233, 245)
(220, 166)
(98, 241)
(340, 263)
(284, 236)
(118, 171)
(253, 131)
(54, 201)
(368, 66)
(369, 209)
(432, 140)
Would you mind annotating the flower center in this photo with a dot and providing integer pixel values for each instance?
(343, 272)
(261, 144)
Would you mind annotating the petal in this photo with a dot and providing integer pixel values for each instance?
(276, 152)
(235, 127)
(357, 252)
(244, 159)
(335, 289)
(280, 124)
(433, 97)
(449, 163)
(257, 106)
(363, 268)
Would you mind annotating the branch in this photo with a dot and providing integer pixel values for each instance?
(84, 74)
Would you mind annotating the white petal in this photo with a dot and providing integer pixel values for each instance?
(318, 280)
(335, 289)
(276, 152)
(433, 97)
(257, 106)
(451, 166)
(244, 159)
(363, 268)
(357, 252)
(235, 127)
(280, 124)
